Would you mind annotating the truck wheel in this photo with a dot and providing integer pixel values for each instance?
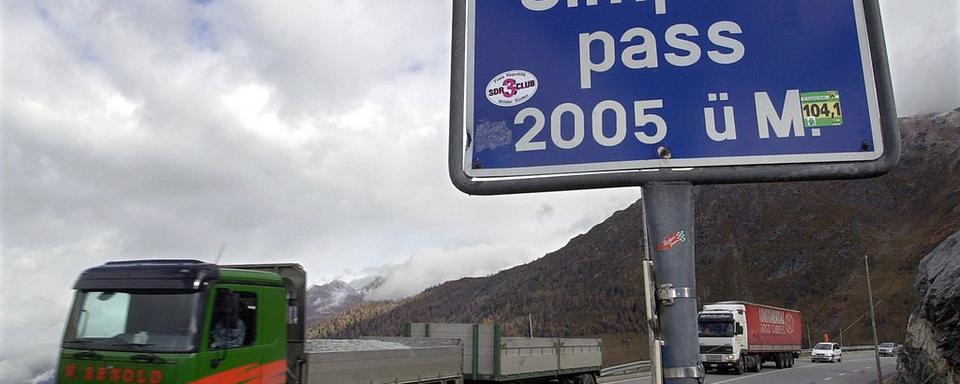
(779, 361)
(759, 366)
(741, 367)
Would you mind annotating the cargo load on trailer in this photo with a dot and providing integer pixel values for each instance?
(384, 360)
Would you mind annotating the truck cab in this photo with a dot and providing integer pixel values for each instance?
(183, 321)
(723, 342)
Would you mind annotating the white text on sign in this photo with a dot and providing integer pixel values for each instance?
(568, 129)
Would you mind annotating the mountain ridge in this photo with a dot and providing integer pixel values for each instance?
(799, 245)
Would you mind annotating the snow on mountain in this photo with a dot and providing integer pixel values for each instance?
(330, 299)
(46, 377)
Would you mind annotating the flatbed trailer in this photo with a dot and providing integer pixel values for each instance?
(489, 357)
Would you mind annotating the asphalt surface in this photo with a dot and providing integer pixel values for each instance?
(856, 368)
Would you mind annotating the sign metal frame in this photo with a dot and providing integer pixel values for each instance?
(678, 170)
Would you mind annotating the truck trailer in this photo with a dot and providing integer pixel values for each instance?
(188, 321)
(384, 360)
(490, 357)
(738, 336)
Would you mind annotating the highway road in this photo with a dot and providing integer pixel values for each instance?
(856, 368)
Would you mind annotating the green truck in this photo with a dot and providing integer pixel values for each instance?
(188, 321)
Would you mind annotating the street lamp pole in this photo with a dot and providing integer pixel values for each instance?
(873, 319)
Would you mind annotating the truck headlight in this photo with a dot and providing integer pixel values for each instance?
(731, 357)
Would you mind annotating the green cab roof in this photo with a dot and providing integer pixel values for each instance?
(169, 274)
(245, 276)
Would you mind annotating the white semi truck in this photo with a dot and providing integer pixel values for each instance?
(737, 336)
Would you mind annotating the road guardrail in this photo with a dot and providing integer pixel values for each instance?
(626, 369)
(854, 348)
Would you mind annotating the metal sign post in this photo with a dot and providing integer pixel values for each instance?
(670, 238)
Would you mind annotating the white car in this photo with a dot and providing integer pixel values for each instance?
(829, 352)
(889, 349)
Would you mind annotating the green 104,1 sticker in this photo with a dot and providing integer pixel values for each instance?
(821, 109)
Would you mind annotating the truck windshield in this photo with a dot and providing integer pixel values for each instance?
(716, 329)
(128, 321)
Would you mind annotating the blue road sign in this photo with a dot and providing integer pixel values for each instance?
(572, 86)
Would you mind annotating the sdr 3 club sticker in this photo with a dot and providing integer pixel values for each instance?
(512, 88)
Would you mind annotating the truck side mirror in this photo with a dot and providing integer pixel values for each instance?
(739, 329)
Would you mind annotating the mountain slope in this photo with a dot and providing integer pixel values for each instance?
(330, 299)
(797, 245)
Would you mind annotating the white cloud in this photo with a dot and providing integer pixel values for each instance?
(923, 43)
(324, 56)
(434, 266)
(314, 132)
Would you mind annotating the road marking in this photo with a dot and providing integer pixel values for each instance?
(842, 373)
(772, 372)
(828, 379)
(645, 377)
(760, 374)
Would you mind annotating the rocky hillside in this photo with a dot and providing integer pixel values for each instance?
(797, 245)
(932, 351)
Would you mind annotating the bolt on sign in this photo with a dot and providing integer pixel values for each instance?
(569, 94)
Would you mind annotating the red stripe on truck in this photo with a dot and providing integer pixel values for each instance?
(269, 373)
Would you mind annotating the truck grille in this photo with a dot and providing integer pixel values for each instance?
(716, 349)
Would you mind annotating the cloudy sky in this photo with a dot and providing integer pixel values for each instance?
(310, 132)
